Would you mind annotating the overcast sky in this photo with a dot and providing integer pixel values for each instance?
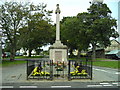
(71, 7)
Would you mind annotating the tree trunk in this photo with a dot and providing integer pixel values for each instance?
(79, 53)
(13, 47)
(93, 52)
(12, 55)
(30, 52)
(0, 53)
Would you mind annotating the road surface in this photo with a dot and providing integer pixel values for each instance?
(15, 77)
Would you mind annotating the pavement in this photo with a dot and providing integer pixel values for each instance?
(15, 77)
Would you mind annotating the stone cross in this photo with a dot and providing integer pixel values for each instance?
(57, 12)
(58, 51)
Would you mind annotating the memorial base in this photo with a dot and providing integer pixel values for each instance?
(58, 52)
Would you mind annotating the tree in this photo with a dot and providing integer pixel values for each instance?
(12, 17)
(36, 36)
(95, 27)
(66, 34)
(38, 31)
(102, 26)
(74, 33)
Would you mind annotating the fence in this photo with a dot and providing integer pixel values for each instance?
(80, 69)
(46, 69)
(40, 69)
(59, 69)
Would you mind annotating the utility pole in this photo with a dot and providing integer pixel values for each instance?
(119, 20)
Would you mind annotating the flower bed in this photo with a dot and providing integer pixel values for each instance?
(59, 66)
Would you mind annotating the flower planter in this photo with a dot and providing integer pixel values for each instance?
(56, 75)
(59, 69)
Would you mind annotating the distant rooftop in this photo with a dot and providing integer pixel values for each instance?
(96, 1)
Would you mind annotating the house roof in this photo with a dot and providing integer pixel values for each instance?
(115, 41)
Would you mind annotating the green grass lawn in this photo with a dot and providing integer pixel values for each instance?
(83, 58)
(98, 62)
(18, 57)
(110, 64)
(25, 57)
(102, 62)
(10, 63)
(100, 59)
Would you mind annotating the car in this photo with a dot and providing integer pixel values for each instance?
(18, 54)
(5, 54)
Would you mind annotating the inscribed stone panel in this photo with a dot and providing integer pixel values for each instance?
(58, 55)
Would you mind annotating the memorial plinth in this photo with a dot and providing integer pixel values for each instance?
(58, 51)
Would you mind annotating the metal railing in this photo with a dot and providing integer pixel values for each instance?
(80, 69)
(46, 69)
(40, 69)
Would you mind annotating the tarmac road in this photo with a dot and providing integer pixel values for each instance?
(15, 77)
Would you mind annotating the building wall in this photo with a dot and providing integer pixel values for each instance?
(115, 45)
(100, 53)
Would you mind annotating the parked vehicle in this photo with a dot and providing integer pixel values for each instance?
(18, 54)
(5, 54)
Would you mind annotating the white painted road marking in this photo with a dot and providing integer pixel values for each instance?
(104, 83)
(102, 70)
(28, 86)
(94, 85)
(106, 71)
(60, 86)
(108, 85)
(114, 83)
(117, 73)
(6, 86)
(118, 84)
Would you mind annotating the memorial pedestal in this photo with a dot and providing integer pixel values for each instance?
(58, 52)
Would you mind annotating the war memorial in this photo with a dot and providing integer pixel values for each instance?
(58, 67)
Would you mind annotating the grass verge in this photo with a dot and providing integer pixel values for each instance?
(9, 63)
(20, 57)
(102, 62)
(97, 59)
(109, 64)
(24, 57)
